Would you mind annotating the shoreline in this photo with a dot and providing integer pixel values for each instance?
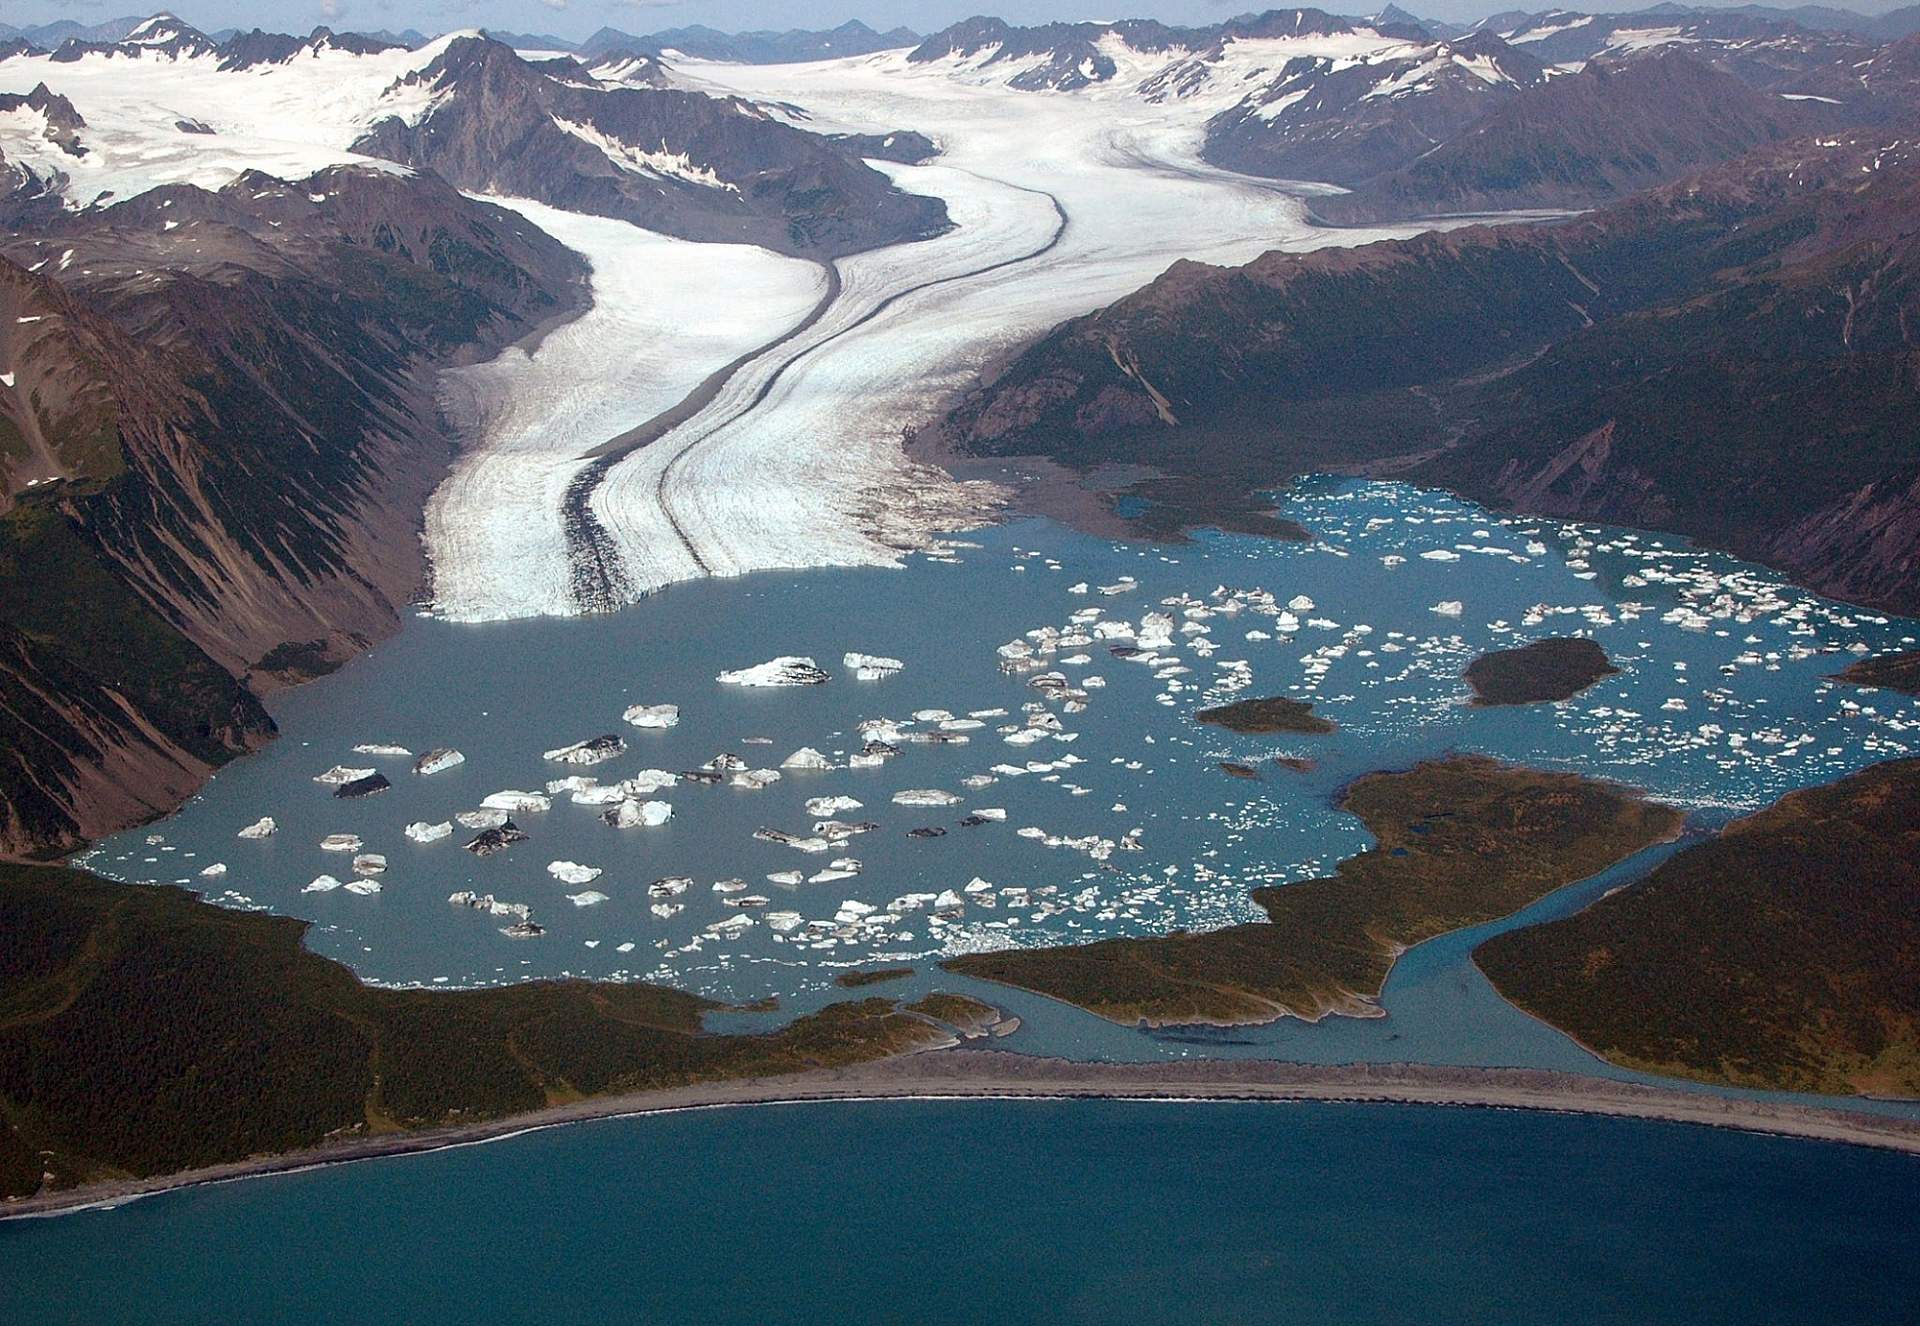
(970, 1074)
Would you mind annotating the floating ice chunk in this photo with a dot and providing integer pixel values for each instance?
(381, 748)
(571, 783)
(756, 779)
(264, 827)
(586, 898)
(647, 781)
(214, 871)
(341, 774)
(594, 750)
(422, 832)
(806, 758)
(340, 842)
(663, 910)
(481, 819)
(1440, 555)
(369, 863)
(787, 670)
(786, 878)
(785, 923)
(1448, 608)
(633, 813)
(515, 802)
(653, 715)
(322, 884)
(871, 667)
(733, 925)
(924, 796)
(572, 872)
(438, 760)
(365, 888)
(822, 807)
(670, 887)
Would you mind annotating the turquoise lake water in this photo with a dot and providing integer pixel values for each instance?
(990, 1211)
(1721, 705)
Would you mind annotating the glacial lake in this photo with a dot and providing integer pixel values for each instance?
(1018, 1211)
(1721, 705)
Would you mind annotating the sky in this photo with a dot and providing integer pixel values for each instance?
(576, 19)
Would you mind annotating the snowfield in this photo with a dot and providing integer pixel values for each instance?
(288, 120)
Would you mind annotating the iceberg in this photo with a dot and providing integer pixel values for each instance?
(341, 774)
(924, 796)
(653, 715)
(340, 842)
(586, 898)
(481, 819)
(264, 827)
(594, 750)
(825, 807)
(381, 748)
(422, 832)
(365, 888)
(438, 760)
(631, 814)
(214, 871)
(787, 670)
(572, 872)
(1448, 608)
(369, 863)
(871, 667)
(806, 758)
(322, 884)
(516, 802)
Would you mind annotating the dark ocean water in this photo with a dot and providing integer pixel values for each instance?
(1004, 1211)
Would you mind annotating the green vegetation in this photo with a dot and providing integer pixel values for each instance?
(143, 1031)
(1278, 714)
(968, 1016)
(853, 980)
(1553, 669)
(1461, 841)
(1896, 672)
(1784, 953)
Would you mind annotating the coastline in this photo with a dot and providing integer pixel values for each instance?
(961, 1073)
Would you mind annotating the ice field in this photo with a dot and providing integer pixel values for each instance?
(1060, 204)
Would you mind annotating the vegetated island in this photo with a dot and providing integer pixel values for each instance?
(1783, 953)
(1273, 714)
(853, 980)
(143, 1032)
(1895, 672)
(1553, 669)
(1461, 841)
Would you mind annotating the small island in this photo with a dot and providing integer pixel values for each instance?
(1783, 953)
(1894, 672)
(1274, 714)
(854, 980)
(1462, 841)
(1546, 670)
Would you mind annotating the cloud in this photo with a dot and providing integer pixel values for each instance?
(554, 4)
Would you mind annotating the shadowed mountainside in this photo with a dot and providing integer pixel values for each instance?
(1730, 357)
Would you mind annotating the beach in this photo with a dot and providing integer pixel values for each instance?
(964, 1073)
